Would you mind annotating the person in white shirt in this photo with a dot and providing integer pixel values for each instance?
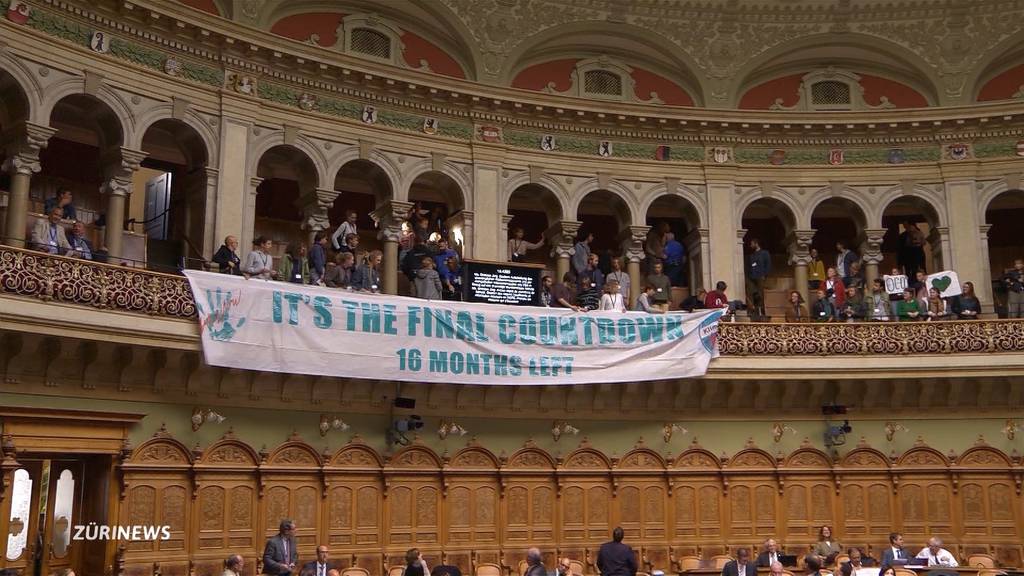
(347, 227)
(937, 555)
(621, 277)
(260, 264)
(518, 247)
(612, 299)
(233, 565)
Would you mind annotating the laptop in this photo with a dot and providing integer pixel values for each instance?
(788, 560)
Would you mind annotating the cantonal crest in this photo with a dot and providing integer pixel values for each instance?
(547, 142)
(18, 12)
(307, 101)
(430, 125)
(369, 114)
(958, 151)
(777, 157)
(897, 156)
(604, 149)
(835, 156)
(720, 154)
(1020, 148)
(489, 133)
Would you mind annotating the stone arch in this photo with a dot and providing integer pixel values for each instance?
(993, 191)
(879, 52)
(615, 191)
(191, 143)
(786, 209)
(209, 137)
(457, 189)
(112, 100)
(267, 142)
(847, 196)
(835, 218)
(680, 212)
(19, 93)
(110, 131)
(632, 43)
(1002, 208)
(545, 183)
(697, 218)
(1005, 55)
(388, 167)
(931, 202)
(898, 206)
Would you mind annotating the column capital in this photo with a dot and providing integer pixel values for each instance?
(119, 164)
(22, 143)
(254, 184)
(984, 230)
(506, 219)
(741, 233)
(562, 234)
(314, 204)
(390, 215)
(632, 241)
(873, 245)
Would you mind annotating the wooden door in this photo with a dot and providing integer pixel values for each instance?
(63, 511)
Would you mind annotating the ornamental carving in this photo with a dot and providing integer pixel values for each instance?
(654, 505)
(278, 504)
(354, 458)
(821, 502)
(912, 503)
(751, 460)
(401, 506)
(305, 506)
(1000, 502)
(597, 506)
(174, 507)
(517, 505)
(696, 460)
(229, 454)
(629, 498)
(684, 497)
(160, 453)
(366, 507)
(485, 505)
(983, 458)
(764, 497)
(529, 459)
(426, 506)
(878, 504)
(740, 500)
(709, 514)
(796, 503)
(572, 505)
(141, 505)
(339, 507)
(973, 502)
(241, 507)
(938, 503)
(543, 505)
(853, 502)
(808, 459)
(211, 508)
(294, 456)
(458, 501)
(585, 460)
(864, 459)
(472, 459)
(415, 458)
(640, 459)
(922, 458)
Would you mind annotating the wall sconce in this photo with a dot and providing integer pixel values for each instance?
(779, 429)
(891, 428)
(328, 423)
(457, 235)
(563, 427)
(669, 429)
(449, 426)
(1011, 429)
(200, 417)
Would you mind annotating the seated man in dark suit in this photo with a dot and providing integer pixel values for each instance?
(771, 554)
(855, 563)
(741, 566)
(615, 558)
(535, 563)
(895, 550)
(318, 567)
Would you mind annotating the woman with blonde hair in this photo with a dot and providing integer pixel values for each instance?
(612, 299)
(796, 310)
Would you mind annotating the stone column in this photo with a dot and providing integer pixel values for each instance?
(390, 216)
(210, 240)
(800, 257)
(983, 285)
(506, 219)
(738, 285)
(314, 204)
(561, 236)
(942, 254)
(960, 241)
(460, 232)
(697, 243)
(248, 233)
(721, 254)
(872, 255)
(120, 166)
(487, 189)
(23, 143)
(234, 208)
(632, 242)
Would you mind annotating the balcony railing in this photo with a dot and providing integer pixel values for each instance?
(105, 286)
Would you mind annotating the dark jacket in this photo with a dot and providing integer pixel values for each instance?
(225, 255)
(616, 559)
(759, 264)
(536, 570)
(274, 561)
(764, 560)
(731, 568)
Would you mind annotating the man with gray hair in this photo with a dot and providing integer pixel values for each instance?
(937, 555)
(280, 555)
(233, 565)
(535, 563)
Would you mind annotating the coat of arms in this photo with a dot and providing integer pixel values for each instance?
(18, 12)
(777, 157)
(958, 151)
(835, 156)
(1020, 148)
(172, 67)
(307, 102)
(430, 125)
(369, 114)
(604, 149)
(490, 134)
(547, 142)
(896, 156)
(720, 155)
(100, 42)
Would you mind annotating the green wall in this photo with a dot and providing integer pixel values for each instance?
(719, 434)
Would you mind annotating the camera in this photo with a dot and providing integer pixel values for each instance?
(396, 433)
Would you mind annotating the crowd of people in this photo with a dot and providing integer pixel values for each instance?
(335, 260)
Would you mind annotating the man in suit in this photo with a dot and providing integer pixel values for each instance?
(741, 566)
(895, 550)
(319, 566)
(615, 558)
(280, 555)
(48, 235)
(80, 245)
(770, 555)
(535, 563)
(776, 569)
(855, 564)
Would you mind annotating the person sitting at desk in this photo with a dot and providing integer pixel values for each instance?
(854, 566)
(826, 546)
(813, 565)
(894, 551)
(741, 566)
(776, 569)
(770, 555)
(937, 555)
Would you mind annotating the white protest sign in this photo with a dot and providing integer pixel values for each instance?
(946, 282)
(895, 284)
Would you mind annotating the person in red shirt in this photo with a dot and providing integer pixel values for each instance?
(834, 289)
(717, 298)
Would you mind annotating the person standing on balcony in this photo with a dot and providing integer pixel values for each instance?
(759, 265)
(581, 252)
(878, 306)
(662, 287)
(815, 271)
(909, 308)
(226, 257)
(48, 235)
(796, 311)
(834, 289)
(823, 310)
(260, 264)
(844, 261)
(347, 227)
(618, 275)
(967, 306)
(518, 246)
(1014, 280)
(675, 257)
(294, 266)
(911, 249)
(318, 258)
(63, 200)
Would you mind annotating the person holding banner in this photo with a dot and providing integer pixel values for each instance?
(564, 294)
(895, 284)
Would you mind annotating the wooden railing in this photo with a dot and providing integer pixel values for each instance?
(61, 279)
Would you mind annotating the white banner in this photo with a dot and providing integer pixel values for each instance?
(946, 282)
(290, 328)
(895, 284)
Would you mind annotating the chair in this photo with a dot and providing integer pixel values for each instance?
(840, 559)
(355, 571)
(523, 565)
(688, 563)
(981, 561)
(396, 570)
(718, 562)
(904, 572)
(576, 568)
(991, 572)
(488, 569)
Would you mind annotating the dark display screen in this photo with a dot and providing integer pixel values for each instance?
(501, 283)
